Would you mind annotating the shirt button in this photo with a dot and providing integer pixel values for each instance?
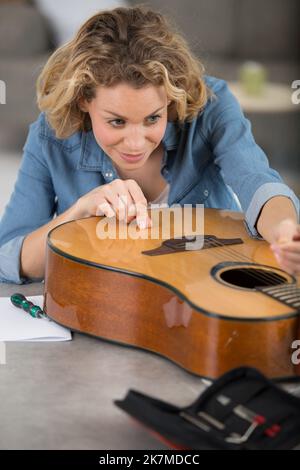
(206, 192)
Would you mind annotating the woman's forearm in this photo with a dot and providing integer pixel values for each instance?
(273, 212)
(32, 258)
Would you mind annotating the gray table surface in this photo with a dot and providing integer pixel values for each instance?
(59, 395)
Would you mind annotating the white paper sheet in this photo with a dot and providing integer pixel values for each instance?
(18, 325)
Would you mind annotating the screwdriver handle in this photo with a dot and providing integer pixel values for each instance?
(20, 301)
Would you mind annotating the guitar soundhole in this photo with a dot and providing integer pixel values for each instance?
(251, 278)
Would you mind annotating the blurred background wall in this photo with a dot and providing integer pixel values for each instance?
(224, 34)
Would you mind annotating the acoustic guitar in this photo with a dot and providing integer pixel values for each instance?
(207, 301)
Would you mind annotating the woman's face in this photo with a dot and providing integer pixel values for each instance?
(128, 123)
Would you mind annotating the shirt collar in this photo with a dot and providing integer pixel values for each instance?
(93, 157)
(171, 137)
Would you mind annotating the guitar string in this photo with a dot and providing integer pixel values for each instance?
(240, 257)
(292, 292)
(267, 277)
(288, 291)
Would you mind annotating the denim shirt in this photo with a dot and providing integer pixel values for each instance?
(209, 160)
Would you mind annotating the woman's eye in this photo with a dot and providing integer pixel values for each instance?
(120, 122)
(116, 122)
(153, 119)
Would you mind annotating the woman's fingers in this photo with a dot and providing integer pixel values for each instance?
(286, 230)
(290, 247)
(290, 262)
(104, 208)
(288, 255)
(291, 268)
(291, 257)
(125, 200)
(120, 198)
(116, 196)
(140, 202)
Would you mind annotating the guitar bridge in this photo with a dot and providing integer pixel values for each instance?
(196, 242)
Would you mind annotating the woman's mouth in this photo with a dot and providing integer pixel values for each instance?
(131, 158)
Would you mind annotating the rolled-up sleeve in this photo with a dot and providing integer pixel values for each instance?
(242, 163)
(10, 261)
(31, 205)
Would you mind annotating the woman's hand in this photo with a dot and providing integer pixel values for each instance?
(122, 199)
(286, 246)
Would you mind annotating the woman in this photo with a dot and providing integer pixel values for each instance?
(129, 118)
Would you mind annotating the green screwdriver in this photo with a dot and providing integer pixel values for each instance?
(20, 301)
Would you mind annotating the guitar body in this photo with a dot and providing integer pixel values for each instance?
(207, 309)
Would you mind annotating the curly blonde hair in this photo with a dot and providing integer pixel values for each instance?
(134, 45)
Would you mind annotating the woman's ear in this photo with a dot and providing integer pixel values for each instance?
(82, 103)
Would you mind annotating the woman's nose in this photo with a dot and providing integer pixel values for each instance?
(135, 141)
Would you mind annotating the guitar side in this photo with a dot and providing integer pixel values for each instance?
(167, 304)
